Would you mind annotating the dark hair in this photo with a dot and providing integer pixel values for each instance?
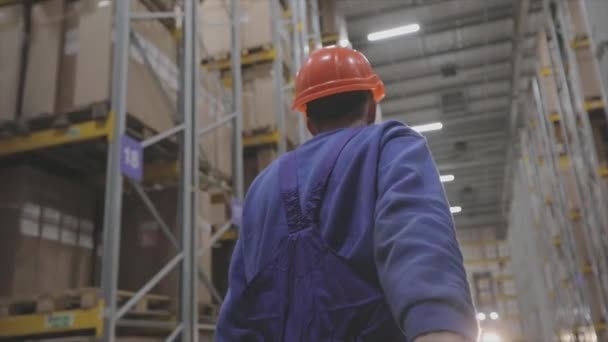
(348, 105)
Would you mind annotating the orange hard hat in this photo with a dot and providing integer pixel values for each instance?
(332, 70)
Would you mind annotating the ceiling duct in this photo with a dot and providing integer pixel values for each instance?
(449, 70)
(453, 101)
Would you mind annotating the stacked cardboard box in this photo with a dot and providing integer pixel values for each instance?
(256, 160)
(217, 145)
(255, 30)
(144, 247)
(328, 17)
(259, 103)
(70, 61)
(47, 232)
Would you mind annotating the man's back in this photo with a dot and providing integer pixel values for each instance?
(384, 212)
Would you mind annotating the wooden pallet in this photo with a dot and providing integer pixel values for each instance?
(208, 312)
(93, 111)
(150, 305)
(83, 298)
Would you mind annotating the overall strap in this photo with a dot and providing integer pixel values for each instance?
(288, 181)
(322, 174)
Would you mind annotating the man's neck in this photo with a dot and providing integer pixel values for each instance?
(332, 126)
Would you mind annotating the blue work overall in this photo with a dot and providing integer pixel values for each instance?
(308, 293)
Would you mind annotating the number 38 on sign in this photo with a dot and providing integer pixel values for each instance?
(131, 158)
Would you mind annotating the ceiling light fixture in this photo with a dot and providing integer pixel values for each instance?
(343, 42)
(435, 126)
(394, 32)
(494, 316)
(455, 210)
(447, 178)
(481, 316)
(103, 3)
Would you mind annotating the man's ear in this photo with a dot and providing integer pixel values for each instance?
(371, 112)
(311, 126)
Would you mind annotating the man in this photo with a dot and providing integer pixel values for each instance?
(349, 237)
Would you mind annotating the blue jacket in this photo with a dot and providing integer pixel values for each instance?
(385, 188)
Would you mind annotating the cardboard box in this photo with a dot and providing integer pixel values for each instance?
(40, 213)
(44, 55)
(144, 247)
(578, 22)
(328, 18)
(259, 99)
(204, 261)
(86, 65)
(10, 58)
(213, 207)
(256, 27)
(41, 64)
(265, 156)
(600, 139)
(589, 74)
(217, 145)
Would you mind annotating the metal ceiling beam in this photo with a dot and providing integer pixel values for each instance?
(487, 114)
(447, 167)
(451, 23)
(496, 135)
(459, 69)
(449, 50)
(477, 153)
(392, 9)
(457, 86)
(521, 22)
(438, 106)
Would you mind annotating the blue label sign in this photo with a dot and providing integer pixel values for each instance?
(237, 212)
(131, 158)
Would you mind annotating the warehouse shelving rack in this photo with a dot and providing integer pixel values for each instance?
(556, 143)
(531, 285)
(106, 317)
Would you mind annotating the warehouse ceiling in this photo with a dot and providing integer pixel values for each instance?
(458, 69)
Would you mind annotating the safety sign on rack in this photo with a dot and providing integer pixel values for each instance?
(237, 212)
(131, 158)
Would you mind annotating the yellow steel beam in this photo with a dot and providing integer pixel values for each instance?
(230, 235)
(554, 117)
(593, 105)
(564, 161)
(506, 298)
(546, 71)
(574, 214)
(503, 278)
(473, 243)
(266, 55)
(161, 171)
(57, 136)
(261, 139)
(473, 262)
(580, 43)
(53, 323)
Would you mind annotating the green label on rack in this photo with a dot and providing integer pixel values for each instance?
(59, 321)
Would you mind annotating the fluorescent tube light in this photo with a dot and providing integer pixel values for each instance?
(343, 42)
(103, 3)
(435, 126)
(455, 210)
(446, 178)
(394, 32)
